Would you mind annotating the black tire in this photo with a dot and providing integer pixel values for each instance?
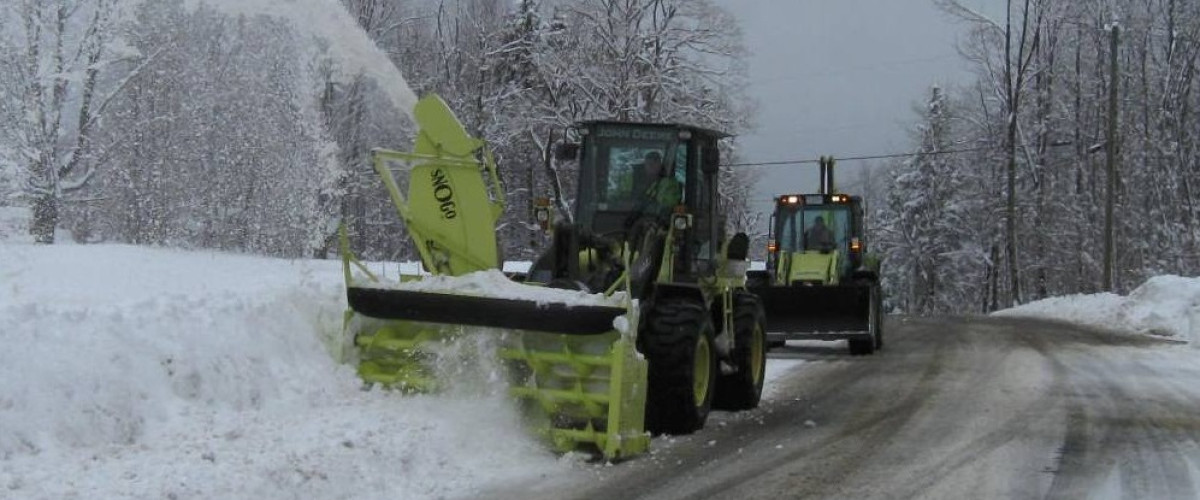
(862, 347)
(742, 390)
(877, 297)
(868, 346)
(678, 343)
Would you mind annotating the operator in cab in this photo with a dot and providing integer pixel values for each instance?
(662, 191)
(819, 237)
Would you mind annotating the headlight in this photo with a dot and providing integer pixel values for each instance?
(681, 221)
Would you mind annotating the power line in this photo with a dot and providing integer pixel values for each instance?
(835, 72)
(855, 158)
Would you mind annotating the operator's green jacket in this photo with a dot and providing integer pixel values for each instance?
(665, 192)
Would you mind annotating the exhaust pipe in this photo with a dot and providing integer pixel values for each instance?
(826, 175)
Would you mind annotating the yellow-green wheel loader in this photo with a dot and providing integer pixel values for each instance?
(821, 282)
(665, 330)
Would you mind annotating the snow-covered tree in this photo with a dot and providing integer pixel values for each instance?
(212, 145)
(1035, 127)
(924, 229)
(154, 125)
(54, 74)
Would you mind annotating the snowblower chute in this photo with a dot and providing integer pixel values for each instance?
(577, 376)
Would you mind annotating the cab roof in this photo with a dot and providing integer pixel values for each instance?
(675, 126)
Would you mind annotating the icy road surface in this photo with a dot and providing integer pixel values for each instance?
(955, 408)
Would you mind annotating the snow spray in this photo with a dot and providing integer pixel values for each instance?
(467, 363)
(329, 21)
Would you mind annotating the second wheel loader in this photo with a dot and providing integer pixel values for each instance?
(636, 319)
(821, 282)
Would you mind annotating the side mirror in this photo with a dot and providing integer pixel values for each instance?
(565, 151)
(736, 263)
(738, 248)
(710, 159)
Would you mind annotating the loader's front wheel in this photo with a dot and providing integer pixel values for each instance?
(742, 389)
(861, 347)
(678, 343)
(877, 304)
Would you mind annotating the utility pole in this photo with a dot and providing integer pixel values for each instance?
(1111, 159)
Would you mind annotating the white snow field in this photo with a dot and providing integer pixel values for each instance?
(132, 372)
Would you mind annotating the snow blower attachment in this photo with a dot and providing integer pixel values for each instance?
(635, 319)
(820, 282)
(577, 377)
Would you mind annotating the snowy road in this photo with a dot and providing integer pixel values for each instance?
(958, 408)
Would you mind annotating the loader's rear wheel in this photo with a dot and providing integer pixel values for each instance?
(678, 344)
(742, 390)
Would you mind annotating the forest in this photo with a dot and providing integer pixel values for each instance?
(1067, 166)
(236, 126)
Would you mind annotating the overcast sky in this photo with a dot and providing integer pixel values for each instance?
(840, 77)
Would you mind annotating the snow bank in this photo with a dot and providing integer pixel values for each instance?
(1167, 306)
(141, 373)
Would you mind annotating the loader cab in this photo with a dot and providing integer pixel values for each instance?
(613, 179)
(796, 214)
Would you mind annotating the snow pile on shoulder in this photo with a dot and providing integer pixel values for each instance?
(1167, 306)
(493, 283)
(131, 372)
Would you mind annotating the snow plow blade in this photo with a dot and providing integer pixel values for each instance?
(433, 307)
(837, 311)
